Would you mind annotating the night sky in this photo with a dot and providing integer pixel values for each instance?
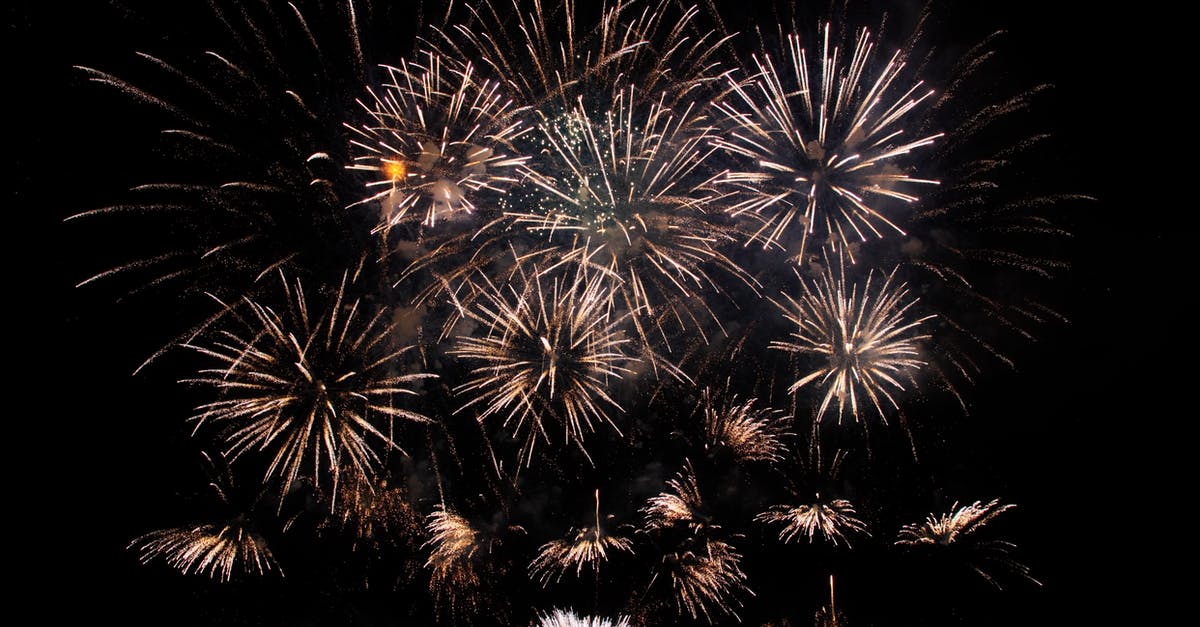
(108, 456)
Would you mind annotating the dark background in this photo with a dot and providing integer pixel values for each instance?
(100, 457)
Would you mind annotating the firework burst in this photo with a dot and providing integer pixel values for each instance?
(826, 141)
(217, 551)
(678, 506)
(752, 434)
(587, 546)
(626, 187)
(548, 351)
(377, 512)
(453, 544)
(956, 530)
(568, 618)
(835, 520)
(439, 142)
(311, 389)
(707, 579)
(551, 59)
(862, 340)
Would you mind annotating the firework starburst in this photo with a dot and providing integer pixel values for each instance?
(835, 520)
(551, 347)
(568, 618)
(861, 338)
(587, 546)
(310, 388)
(751, 433)
(826, 140)
(439, 142)
(218, 551)
(956, 531)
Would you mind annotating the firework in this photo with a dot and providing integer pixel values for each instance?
(834, 520)
(707, 578)
(550, 349)
(826, 141)
(862, 340)
(453, 545)
(588, 546)
(247, 167)
(568, 618)
(678, 506)
(750, 433)
(551, 58)
(625, 186)
(377, 512)
(439, 142)
(956, 530)
(212, 550)
(310, 388)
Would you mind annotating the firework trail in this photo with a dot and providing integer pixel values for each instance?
(439, 142)
(862, 340)
(568, 618)
(955, 531)
(825, 143)
(550, 349)
(309, 388)
(752, 434)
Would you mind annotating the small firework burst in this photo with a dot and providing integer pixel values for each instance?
(826, 142)
(453, 545)
(568, 618)
(956, 530)
(707, 579)
(678, 506)
(752, 434)
(588, 546)
(626, 187)
(439, 143)
(862, 339)
(218, 551)
(311, 388)
(834, 520)
(550, 349)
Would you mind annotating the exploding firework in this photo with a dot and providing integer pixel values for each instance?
(548, 352)
(835, 520)
(587, 546)
(625, 187)
(862, 340)
(439, 143)
(678, 506)
(707, 579)
(751, 433)
(956, 530)
(568, 618)
(826, 142)
(214, 550)
(453, 545)
(310, 388)
(552, 59)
